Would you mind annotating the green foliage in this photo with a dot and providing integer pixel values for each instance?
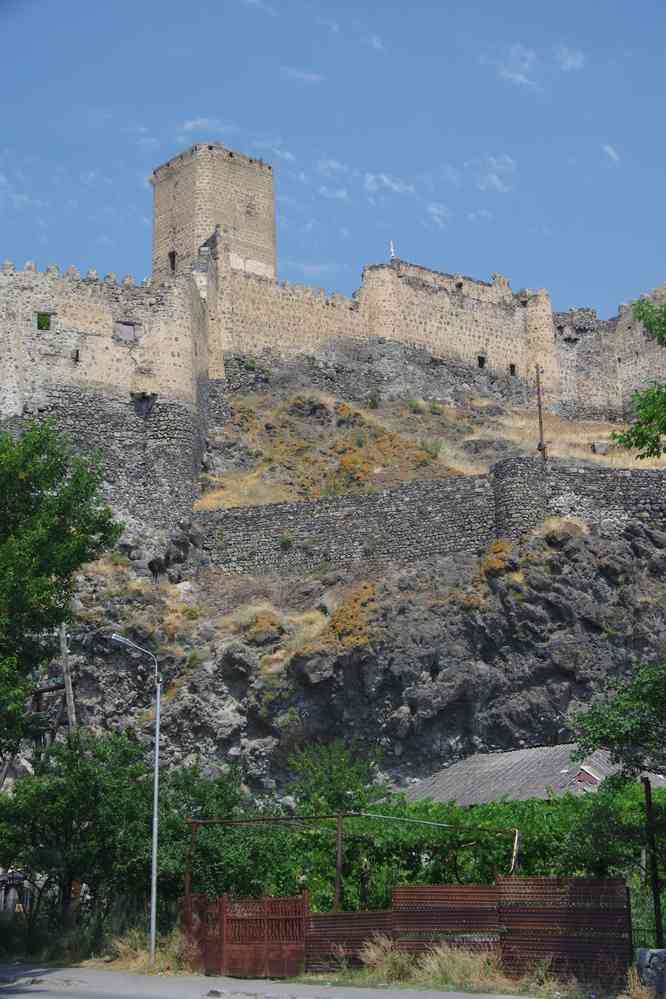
(52, 521)
(43, 321)
(14, 690)
(649, 405)
(653, 317)
(416, 406)
(334, 777)
(431, 446)
(374, 400)
(631, 723)
(286, 542)
(645, 434)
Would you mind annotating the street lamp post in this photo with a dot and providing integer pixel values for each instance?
(156, 783)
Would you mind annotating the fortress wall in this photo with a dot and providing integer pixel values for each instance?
(134, 400)
(423, 519)
(455, 317)
(412, 522)
(254, 314)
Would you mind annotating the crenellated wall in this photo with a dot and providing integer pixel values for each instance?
(121, 368)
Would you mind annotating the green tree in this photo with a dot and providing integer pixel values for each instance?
(630, 723)
(646, 432)
(334, 777)
(52, 521)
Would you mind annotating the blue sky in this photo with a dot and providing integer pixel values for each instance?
(522, 136)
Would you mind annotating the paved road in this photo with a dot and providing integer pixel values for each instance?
(88, 983)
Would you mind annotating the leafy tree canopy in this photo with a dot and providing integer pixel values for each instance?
(52, 521)
(334, 777)
(631, 723)
(646, 433)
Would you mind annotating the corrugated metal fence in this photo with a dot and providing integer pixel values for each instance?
(576, 926)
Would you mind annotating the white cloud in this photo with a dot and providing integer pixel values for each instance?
(345, 233)
(517, 66)
(332, 168)
(375, 182)
(212, 125)
(439, 214)
(300, 176)
(494, 173)
(336, 194)
(277, 148)
(569, 59)
(444, 174)
(611, 152)
(480, 215)
(301, 75)
(332, 26)
(261, 5)
(375, 42)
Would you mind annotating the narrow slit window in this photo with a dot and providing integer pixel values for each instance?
(481, 361)
(43, 321)
(512, 369)
(172, 261)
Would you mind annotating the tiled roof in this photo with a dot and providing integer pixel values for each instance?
(538, 772)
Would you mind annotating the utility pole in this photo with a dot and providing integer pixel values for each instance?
(654, 871)
(67, 677)
(541, 446)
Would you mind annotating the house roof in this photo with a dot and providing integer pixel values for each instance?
(538, 772)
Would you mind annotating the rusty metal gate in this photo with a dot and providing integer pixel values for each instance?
(255, 937)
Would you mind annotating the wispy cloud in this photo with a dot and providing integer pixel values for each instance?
(262, 6)
(375, 182)
(443, 174)
(569, 59)
(611, 152)
(345, 233)
(277, 148)
(212, 125)
(335, 194)
(375, 42)
(494, 173)
(332, 168)
(516, 66)
(480, 215)
(301, 75)
(438, 214)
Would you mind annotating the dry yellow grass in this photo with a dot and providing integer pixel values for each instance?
(445, 968)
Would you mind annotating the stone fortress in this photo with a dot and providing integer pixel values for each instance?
(139, 371)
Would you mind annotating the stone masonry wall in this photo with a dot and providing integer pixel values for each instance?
(209, 186)
(122, 370)
(409, 523)
(422, 519)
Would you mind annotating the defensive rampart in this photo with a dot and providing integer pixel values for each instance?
(415, 521)
(122, 369)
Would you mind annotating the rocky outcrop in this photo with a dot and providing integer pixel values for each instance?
(430, 662)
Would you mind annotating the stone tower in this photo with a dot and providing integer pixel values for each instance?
(206, 186)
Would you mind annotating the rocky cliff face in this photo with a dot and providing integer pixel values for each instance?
(431, 662)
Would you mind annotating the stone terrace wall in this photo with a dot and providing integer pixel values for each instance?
(411, 522)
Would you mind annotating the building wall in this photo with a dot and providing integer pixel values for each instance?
(138, 401)
(209, 186)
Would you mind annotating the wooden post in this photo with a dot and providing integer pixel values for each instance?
(652, 854)
(338, 864)
(541, 446)
(223, 909)
(67, 677)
